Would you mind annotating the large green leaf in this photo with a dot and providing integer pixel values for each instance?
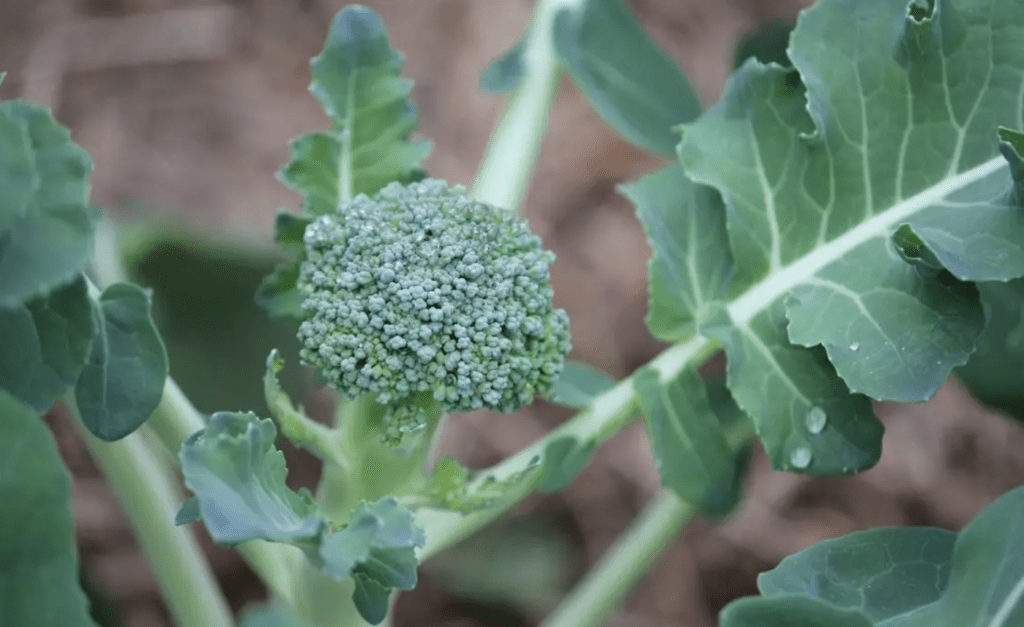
(123, 381)
(44, 343)
(693, 457)
(881, 572)
(897, 577)
(628, 79)
(238, 476)
(38, 560)
(356, 80)
(863, 191)
(46, 225)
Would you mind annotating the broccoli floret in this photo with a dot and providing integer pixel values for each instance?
(421, 289)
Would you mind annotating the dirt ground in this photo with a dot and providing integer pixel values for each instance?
(187, 108)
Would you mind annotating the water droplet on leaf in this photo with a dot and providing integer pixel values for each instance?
(815, 420)
(855, 347)
(800, 457)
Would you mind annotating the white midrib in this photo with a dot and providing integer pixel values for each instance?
(1009, 604)
(756, 299)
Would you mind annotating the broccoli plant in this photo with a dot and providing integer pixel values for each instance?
(846, 228)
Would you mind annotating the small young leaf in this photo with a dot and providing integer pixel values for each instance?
(277, 293)
(238, 476)
(123, 381)
(690, 449)
(507, 71)
(44, 344)
(370, 599)
(378, 549)
(628, 79)
(789, 612)
(564, 459)
(44, 239)
(39, 567)
(294, 423)
(356, 80)
(579, 384)
(452, 487)
(189, 512)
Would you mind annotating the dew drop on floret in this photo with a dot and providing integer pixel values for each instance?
(422, 289)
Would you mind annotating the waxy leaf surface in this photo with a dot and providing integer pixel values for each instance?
(123, 380)
(44, 344)
(377, 548)
(628, 79)
(864, 191)
(907, 577)
(238, 476)
(690, 448)
(355, 79)
(46, 224)
(579, 384)
(38, 559)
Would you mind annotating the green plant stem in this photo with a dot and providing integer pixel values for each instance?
(611, 580)
(147, 496)
(504, 176)
(175, 418)
(606, 585)
(607, 415)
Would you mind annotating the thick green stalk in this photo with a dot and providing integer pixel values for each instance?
(611, 580)
(606, 585)
(504, 176)
(148, 498)
(607, 415)
(175, 418)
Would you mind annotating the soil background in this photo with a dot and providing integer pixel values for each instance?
(187, 108)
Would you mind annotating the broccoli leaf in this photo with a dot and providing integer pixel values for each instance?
(355, 79)
(378, 548)
(277, 293)
(579, 384)
(690, 448)
(788, 612)
(906, 567)
(276, 615)
(38, 560)
(507, 71)
(863, 191)
(628, 79)
(46, 224)
(238, 476)
(995, 372)
(564, 459)
(123, 381)
(916, 577)
(44, 343)
(453, 487)
(295, 425)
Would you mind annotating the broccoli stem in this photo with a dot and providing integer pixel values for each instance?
(147, 495)
(611, 580)
(607, 415)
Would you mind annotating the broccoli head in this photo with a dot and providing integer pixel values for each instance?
(421, 289)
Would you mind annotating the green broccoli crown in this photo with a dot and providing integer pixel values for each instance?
(422, 289)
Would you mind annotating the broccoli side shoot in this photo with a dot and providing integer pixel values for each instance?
(421, 289)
